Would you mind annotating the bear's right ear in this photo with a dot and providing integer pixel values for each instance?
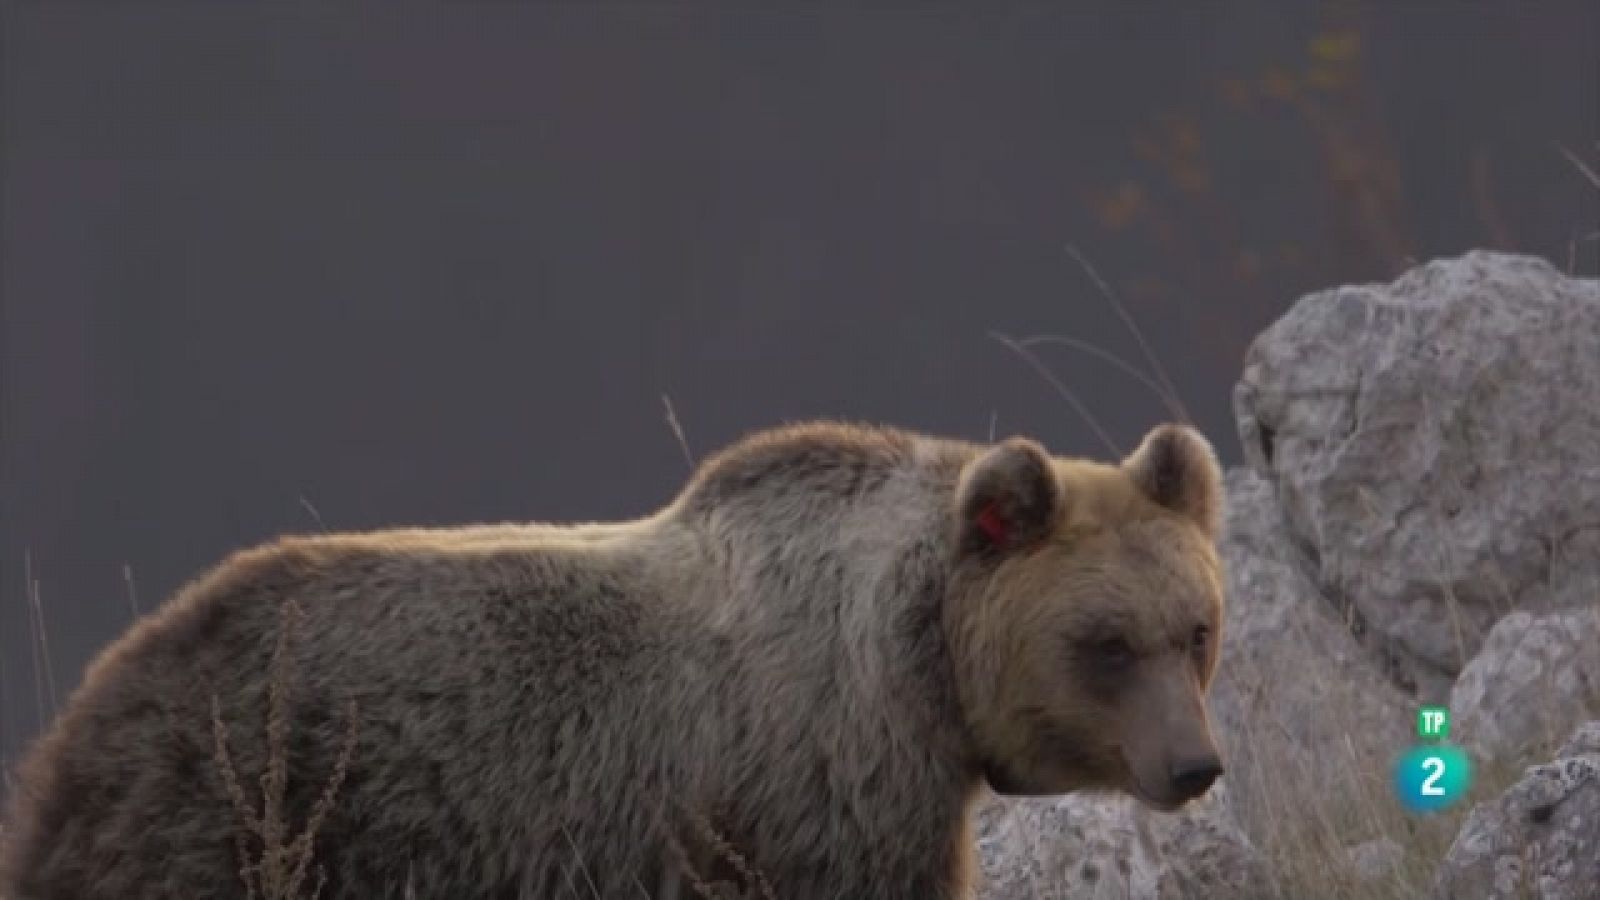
(1176, 467)
(1008, 498)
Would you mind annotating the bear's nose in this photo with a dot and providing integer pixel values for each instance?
(1194, 776)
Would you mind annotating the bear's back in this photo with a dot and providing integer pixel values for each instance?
(485, 667)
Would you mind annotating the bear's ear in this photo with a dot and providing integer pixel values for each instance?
(1176, 467)
(1009, 497)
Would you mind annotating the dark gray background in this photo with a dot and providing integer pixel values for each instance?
(276, 267)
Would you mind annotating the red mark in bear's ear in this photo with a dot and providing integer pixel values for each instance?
(992, 525)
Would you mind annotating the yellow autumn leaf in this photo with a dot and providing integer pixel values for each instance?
(1336, 46)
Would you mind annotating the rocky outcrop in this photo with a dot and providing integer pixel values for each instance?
(1435, 444)
(1540, 839)
(1092, 847)
(1533, 677)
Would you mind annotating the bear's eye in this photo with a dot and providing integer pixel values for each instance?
(1202, 636)
(1113, 652)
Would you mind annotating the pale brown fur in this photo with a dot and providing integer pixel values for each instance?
(818, 651)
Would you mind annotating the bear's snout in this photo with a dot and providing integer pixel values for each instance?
(1191, 777)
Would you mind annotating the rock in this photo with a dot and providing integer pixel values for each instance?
(1435, 443)
(1375, 860)
(1093, 846)
(1294, 690)
(1535, 678)
(1539, 839)
(1585, 740)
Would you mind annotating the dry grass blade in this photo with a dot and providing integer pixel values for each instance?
(275, 780)
(300, 849)
(577, 856)
(1580, 165)
(43, 667)
(33, 639)
(1133, 327)
(681, 856)
(312, 511)
(133, 595)
(733, 857)
(1173, 405)
(241, 806)
(677, 431)
(279, 870)
(1066, 393)
(230, 775)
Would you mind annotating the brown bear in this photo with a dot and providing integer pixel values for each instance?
(797, 676)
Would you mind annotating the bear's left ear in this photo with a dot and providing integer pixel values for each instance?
(1009, 497)
(1176, 467)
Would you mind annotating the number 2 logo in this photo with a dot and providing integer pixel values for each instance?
(1430, 785)
(1432, 777)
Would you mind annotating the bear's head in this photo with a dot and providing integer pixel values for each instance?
(1084, 617)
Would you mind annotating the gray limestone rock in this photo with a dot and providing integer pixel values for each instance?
(1535, 678)
(1088, 846)
(1540, 839)
(1435, 443)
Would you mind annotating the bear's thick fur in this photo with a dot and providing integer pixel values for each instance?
(816, 656)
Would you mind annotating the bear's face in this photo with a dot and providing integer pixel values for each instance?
(1085, 616)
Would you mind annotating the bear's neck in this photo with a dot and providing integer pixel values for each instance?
(829, 572)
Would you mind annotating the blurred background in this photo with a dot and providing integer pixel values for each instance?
(298, 266)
